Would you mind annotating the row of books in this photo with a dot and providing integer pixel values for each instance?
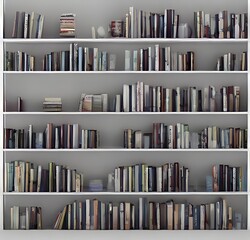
(232, 62)
(93, 214)
(79, 59)
(178, 136)
(19, 61)
(67, 25)
(92, 59)
(141, 97)
(23, 176)
(227, 178)
(54, 137)
(93, 102)
(142, 24)
(221, 25)
(25, 218)
(52, 104)
(28, 25)
(158, 59)
(169, 177)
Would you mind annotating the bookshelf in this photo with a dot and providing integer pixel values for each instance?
(97, 163)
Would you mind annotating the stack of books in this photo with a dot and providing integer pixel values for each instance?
(52, 104)
(67, 25)
(96, 185)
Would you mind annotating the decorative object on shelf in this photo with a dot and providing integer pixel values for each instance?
(101, 32)
(117, 28)
(93, 32)
(67, 25)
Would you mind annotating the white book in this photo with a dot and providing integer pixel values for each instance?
(27, 218)
(186, 136)
(141, 96)
(69, 180)
(122, 216)
(237, 26)
(75, 135)
(157, 57)
(104, 102)
(103, 216)
(118, 103)
(26, 27)
(134, 98)
(170, 136)
(178, 135)
(225, 61)
(112, 62)
(125, 98)
(150, 59)
(167, 59)
(39, 177)
(88, 214)
(141, 211)
(127, 60)
(194, 100)
(40, 26)
(132, 21)
(83, 138)
(57, 140)
(95, 57)
(135, 60)
(141, 60)
(178, 99)
(6, 176)
(58, 178)
(159, 179)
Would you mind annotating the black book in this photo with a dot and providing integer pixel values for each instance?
(216, 27)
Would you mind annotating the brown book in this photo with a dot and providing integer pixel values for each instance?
(27, 176)
(115, 218)
(230, 97)
(170, 215)
(127, 216)
(236, 98)
(231, 137)
(163, 211)
(176, 216)
(215, 178)
(96, 225)
(49, 135)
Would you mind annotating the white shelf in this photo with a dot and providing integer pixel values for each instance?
(124, 72)
(126, 113)
(123, 40)
(126, 150)
(139, 194)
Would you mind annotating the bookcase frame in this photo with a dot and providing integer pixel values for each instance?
(112, 234)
